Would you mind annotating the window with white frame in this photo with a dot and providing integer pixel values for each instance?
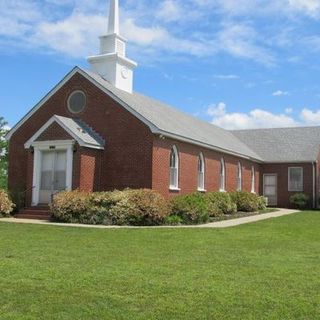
(295, 179)
(201, 172)
(222, 175)
(174, 168)
(253, 179)
(239, 177)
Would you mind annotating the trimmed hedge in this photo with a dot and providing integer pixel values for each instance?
(6, 205)
(192, 208)
(148, 208)
(220, 203)
(73, 207)
(128, 207)
(246, 201)
(140, 208)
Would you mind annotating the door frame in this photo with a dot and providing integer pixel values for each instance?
(39, 147)
(275, 175)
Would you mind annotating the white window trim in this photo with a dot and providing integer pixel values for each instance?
(202, 188)
(69, 98)
(222, 175)
(174, 189)
(253, 179)
(239, 176)
(302, 178)
(39, 147)
(176, 186)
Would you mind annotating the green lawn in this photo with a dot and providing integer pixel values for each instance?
(266, 270)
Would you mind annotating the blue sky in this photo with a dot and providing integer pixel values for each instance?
(236, 63)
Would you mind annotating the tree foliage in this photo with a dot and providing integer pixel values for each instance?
(3, 154)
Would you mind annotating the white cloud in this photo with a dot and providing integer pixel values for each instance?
(197, 28)
(310, 117)
(158, 38)
(280, 93)
(310, 7)
(256, 118)
(241, 40)
(226, 76)
(169, 10)
(260, 118)
(74, 36)
(217, 110)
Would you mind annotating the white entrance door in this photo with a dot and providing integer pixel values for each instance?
(53, 174)
(270, 189)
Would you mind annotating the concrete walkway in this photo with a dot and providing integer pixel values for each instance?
(219, 224)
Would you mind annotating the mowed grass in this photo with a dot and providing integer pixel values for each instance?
(266, 270)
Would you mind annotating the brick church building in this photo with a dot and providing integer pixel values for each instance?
(93, 132)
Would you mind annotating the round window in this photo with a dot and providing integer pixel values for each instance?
(77, 102)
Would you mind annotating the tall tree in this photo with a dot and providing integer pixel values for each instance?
(3, 154)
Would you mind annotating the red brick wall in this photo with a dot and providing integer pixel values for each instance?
(127, 159)
(282, 171)
(188, 171)
(54, 132)
(89, 171)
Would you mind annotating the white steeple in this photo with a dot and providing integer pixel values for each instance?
(112, 63)
(114, 17)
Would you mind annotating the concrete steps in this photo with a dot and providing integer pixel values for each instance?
(35, 213)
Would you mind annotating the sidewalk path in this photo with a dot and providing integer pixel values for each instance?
(219, 224)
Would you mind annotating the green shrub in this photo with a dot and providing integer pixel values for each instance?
(220, 203)
(262, 203)
(192, 209)
(245, 201)
(71, 207)
(173, 220)
(129, 207)
(6, 205)
(101, 204)
(299, 201)
(139, 208)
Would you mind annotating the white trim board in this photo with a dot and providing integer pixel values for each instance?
(32, 142)
(39, 148)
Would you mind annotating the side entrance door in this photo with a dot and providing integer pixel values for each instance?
(53, 174)
(270, 189)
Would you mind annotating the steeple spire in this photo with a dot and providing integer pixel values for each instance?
(111, 63)
(113, 26)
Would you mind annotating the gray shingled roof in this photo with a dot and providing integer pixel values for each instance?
(169, 120)
(283, 145)
(82, 131)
